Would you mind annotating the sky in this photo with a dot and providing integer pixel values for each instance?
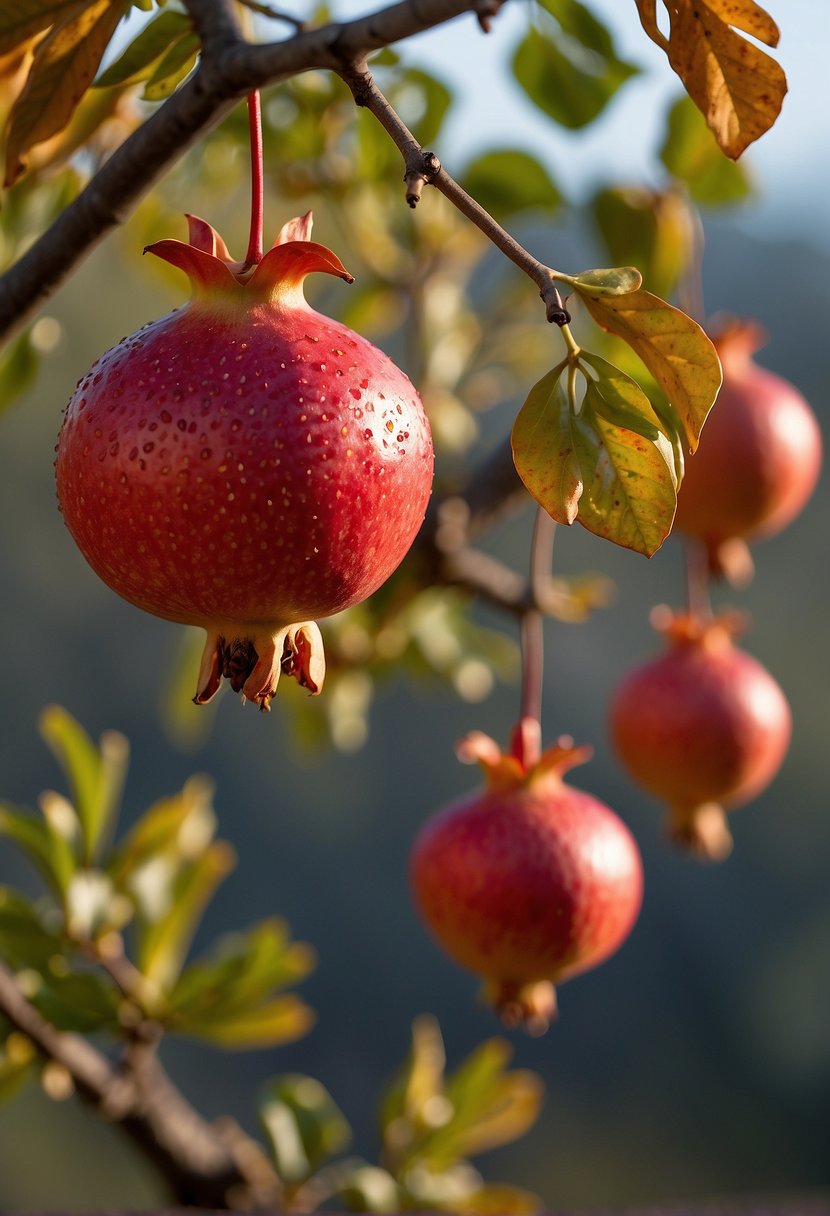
(790, 163)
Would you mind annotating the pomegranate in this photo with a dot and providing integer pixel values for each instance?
(760, 452)
(246, 464)
(704, 727)
(529, 881)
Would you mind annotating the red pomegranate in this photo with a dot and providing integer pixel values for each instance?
(529, 881)
(704, 727)
(246, 464)
(760, 452)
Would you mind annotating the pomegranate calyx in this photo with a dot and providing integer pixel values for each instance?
(525, 761)
(691, 629)
(279, 276)
(253, 663)
(531, 1006)
(703, 830)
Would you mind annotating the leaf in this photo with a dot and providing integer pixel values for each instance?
(17, 1059)
(20, 20)
(247, 968)
(651, 229)
(281, 1020)
(47, 849)
(63, 66)
(428, 101)
(629, 494)
(176, 65)
(543, 449)
(137, 61)
(96, 777)
(691, 154)
(499, 1199)
(419, 1080)
(491, 1106)
(178, 826)
(77, 1001)
(18, 369)
(303, 1124)
(673, 347)
(737, 87)
(618, 281)
(25, 942)
(572, 87)
(507, 180)
(620, 400)
(163, 943)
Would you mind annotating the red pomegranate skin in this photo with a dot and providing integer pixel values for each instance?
(760, 452)
(527, 882)
(245, 464)
(703, 727)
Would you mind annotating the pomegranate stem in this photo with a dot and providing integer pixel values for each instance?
(254, 254)
(532, 626)
(698, 599)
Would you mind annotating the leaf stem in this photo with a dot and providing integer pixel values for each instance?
(254, 255)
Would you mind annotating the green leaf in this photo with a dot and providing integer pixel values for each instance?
(572, 87)
(173, 827)
(419, 1080)
(79, 1001)
(579, 23)
(423, 102)
(543, 448)
(248, 967)
(18, 369)
(616, 281)
(48, 849)
(490, 1106)
(620, 400)
(673, 347)
(25, 942)
(499, 1199)
(506, 181)
(281, 1020)
(63, 66)
(303, 1124)
(137, 61)
(163, 942)
(175, 66)
(653, 230)
(368, 1188)
(690, 152)
(629, 494)
(96, 777)
(17, 1059)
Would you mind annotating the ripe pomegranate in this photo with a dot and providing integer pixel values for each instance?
(760, 452)
(703, 727)
(246, 464)
(529, 881)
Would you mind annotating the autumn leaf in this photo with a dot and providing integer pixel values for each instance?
(737, 87)
(673, 347)
(543, 449)
(63, 66)
(23, 19)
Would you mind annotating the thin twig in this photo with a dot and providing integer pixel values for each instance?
(424, 168)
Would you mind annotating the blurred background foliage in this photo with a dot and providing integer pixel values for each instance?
(697, 1061)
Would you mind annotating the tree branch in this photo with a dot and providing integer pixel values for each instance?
(200, 1163)
(424, 168)
(230, 68)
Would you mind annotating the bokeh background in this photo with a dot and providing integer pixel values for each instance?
(695, 1063)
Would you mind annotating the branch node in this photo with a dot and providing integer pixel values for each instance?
(420, 175)
(555, 310)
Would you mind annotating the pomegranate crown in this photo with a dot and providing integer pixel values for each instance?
(278, 277)
(525, 761)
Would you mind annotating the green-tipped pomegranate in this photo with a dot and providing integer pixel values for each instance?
(246, 464)
(704, 727)
(529, 881)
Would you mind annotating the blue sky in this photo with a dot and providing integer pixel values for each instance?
(790, 164)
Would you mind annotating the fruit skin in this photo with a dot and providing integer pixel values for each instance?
(704, 727)
(246, 464)
(760, 452)
(529, 881)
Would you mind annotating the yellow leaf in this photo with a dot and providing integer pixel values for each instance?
(737, 87)
(673, 347)
(23, 19)
(63, 67)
